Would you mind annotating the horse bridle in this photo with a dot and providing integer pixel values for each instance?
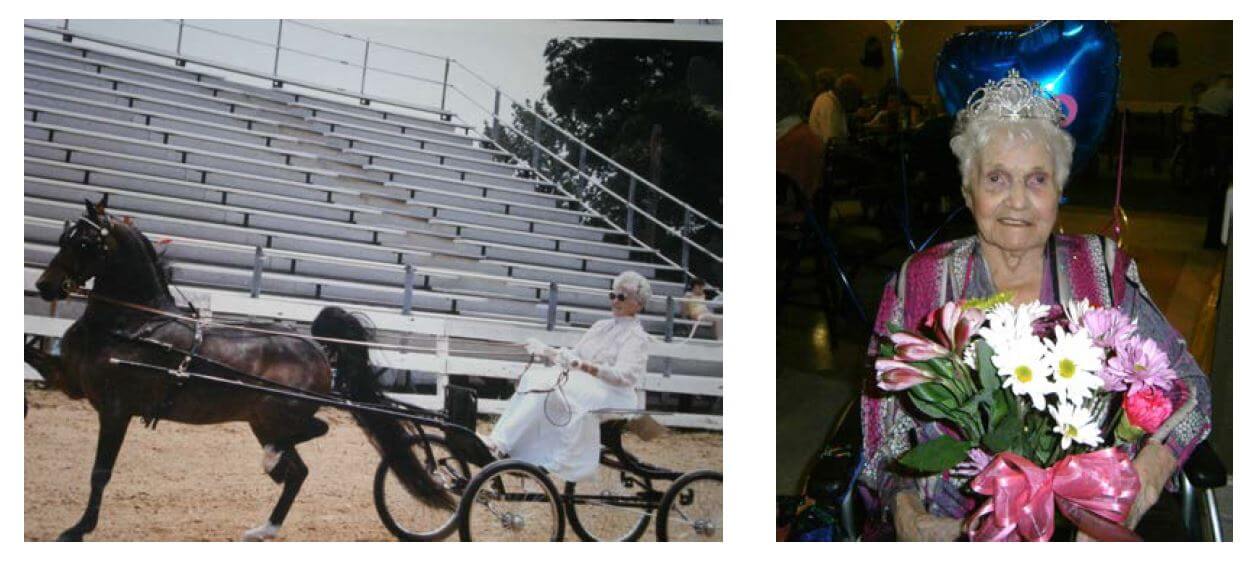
(101, 241)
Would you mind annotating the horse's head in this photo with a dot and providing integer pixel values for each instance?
(84, 250)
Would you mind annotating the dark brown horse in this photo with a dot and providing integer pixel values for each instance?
(127, 274)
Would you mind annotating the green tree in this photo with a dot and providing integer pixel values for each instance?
(652, 106)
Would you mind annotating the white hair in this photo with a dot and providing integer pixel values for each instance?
(634, 283)
(973, 135)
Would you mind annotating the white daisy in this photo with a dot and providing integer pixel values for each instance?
(969, 356)
(1009, 323)
(1025, 370)
(1076, 424)
(1075, 313)
(1073, 360)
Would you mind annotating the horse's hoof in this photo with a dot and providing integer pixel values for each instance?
(262, 533)
(69, 535)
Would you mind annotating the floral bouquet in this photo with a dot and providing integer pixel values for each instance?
(1039, 400)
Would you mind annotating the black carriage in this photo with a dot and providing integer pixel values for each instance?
(514, 500)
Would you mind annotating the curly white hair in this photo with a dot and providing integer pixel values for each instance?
(634, 283)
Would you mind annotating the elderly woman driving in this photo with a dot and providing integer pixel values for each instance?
(1014, 159)
(606, 367)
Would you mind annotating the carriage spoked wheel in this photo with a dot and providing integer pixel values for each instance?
(615, 506)
(691, 509)
(511, 500)
(406, 517)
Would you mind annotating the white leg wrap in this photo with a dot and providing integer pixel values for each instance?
(271, 456)
(262, 533)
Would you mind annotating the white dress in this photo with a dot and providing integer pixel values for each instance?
(555, 430)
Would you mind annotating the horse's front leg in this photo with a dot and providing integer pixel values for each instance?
(112, 427)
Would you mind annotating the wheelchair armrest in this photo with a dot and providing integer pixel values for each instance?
(831, 476)
(832, 473)
(1204, 469)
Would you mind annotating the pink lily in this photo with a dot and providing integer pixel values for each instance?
(954, 325)
(894, 375)
(914, 347)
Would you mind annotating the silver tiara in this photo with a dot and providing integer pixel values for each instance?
(1013, 98)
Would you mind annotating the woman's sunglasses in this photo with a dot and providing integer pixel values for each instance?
(617, 296)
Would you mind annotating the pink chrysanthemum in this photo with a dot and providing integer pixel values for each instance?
(1138, 364)
(1107, 327)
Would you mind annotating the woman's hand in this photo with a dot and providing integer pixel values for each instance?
(566, 358)
(535, 346)
(913, 523)
(1154, 464)
(538, 348)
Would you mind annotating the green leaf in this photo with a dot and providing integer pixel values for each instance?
(1000, 407)
(887, 350)
(1044, 442)
(1005, 431)
(929, 408)
(942, 368)
(933, 399)
(985, 369)
(1126, 432)
(893, 328)
(937, 455)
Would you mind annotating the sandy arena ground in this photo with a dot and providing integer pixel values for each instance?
(205, 483)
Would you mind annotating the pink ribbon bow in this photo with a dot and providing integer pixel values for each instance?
(1094, 491)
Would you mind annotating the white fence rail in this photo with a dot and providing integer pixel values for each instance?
(438, 358)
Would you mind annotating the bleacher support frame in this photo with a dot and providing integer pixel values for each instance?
(441, 360)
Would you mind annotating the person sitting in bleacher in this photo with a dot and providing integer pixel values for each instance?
(553, 427)
(695, 308)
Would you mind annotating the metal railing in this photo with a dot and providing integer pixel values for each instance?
(650, 215)
(278, 75)
(262, 257)
(628, 202)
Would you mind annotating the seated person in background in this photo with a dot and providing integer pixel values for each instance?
(828, 118)
(698, 310)
(607, 367)
(896, 111)
(1216, 100)
(798, 147)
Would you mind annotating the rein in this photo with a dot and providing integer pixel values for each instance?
(200, 321)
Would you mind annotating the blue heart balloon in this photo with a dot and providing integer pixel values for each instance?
(1078, 62)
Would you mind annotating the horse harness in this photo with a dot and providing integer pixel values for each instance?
(230, 376)
(180, 374)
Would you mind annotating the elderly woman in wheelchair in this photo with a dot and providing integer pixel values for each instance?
(1014, 159)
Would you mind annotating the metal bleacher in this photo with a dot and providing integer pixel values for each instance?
(270, 203)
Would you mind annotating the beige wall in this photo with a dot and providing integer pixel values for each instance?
(1204, 50)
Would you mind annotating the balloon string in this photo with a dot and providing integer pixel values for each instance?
(905, 215)
(1118, 218)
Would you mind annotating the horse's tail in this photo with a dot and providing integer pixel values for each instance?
(358, 382)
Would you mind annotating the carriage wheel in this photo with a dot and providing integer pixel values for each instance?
(511, 500)
(405, 516)
(610, 508)
(691, 510)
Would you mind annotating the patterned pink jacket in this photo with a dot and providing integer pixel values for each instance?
(1086, 266)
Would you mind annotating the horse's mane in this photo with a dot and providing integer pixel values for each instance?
(157, 261)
